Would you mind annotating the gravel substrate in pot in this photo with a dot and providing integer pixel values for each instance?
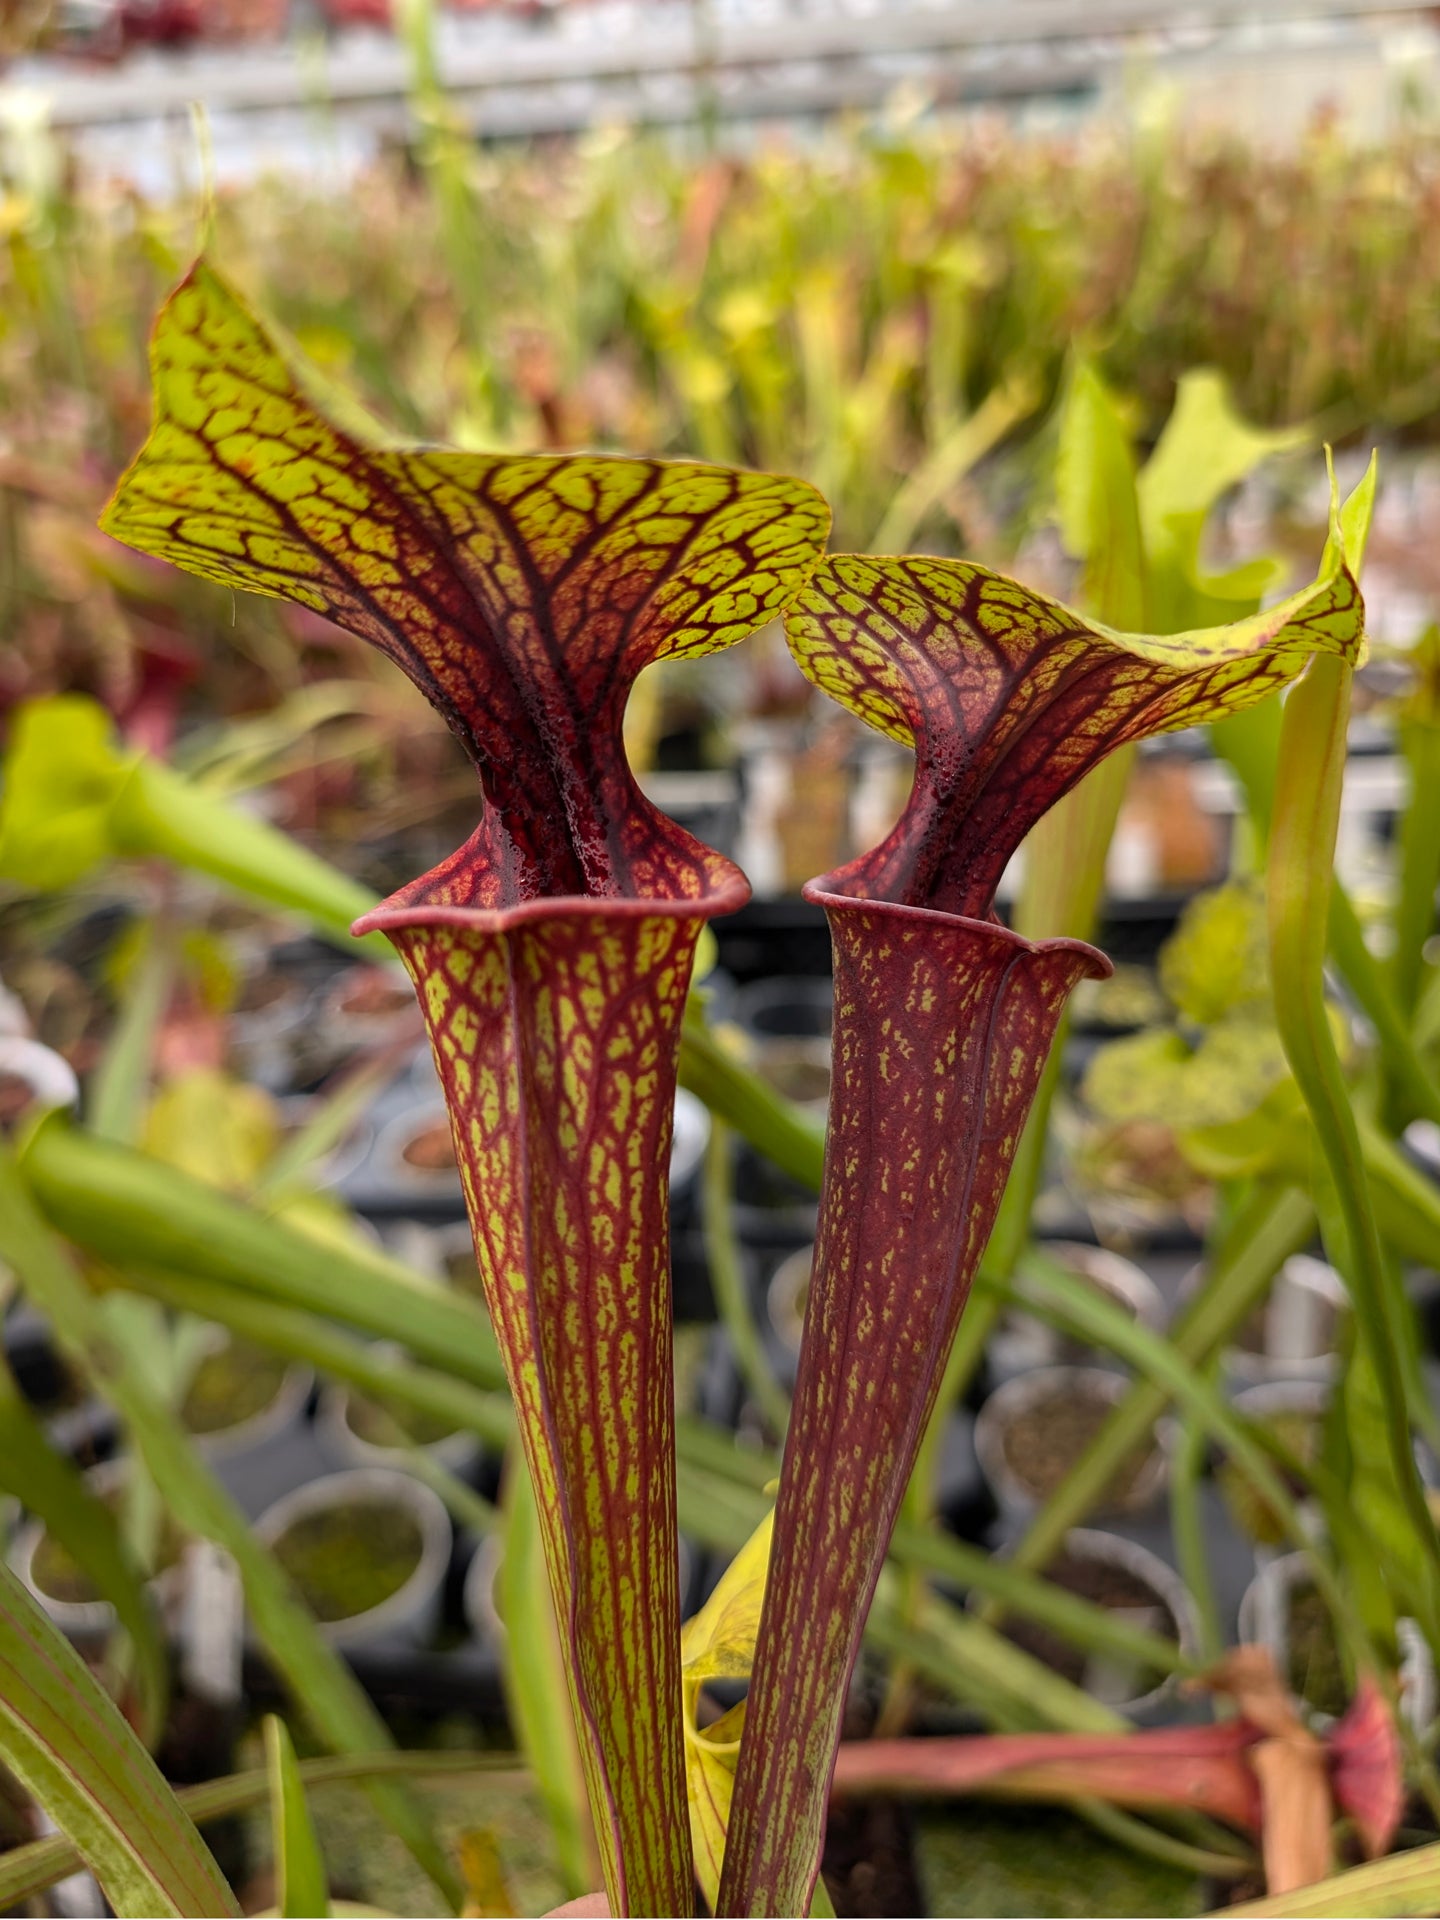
(1022, 1342)
(1034, 1427)
(1126, 1579)
(368, 1551)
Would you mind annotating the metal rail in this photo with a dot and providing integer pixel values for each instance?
(541, 80)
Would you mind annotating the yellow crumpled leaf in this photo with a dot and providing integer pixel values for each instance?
(213, 1126)
(719, 1644)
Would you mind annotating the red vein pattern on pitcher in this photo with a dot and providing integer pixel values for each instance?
(943, 1020)
(552, 952)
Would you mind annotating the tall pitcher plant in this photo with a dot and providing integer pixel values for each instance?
(552, 957)
(552, 952)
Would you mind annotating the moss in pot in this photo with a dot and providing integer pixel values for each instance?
(381, 1421)
(58, 1576)
(349, 1558)
(1300, 1434)
(367, 1549)
(232, 1385)
(1314, 1668)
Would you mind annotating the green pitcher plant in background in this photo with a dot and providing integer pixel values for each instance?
(552, 954)
(943, 1021)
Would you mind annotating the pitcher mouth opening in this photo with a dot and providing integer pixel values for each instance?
(577, 906)
(823, 893)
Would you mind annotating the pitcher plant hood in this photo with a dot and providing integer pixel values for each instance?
(552, 953)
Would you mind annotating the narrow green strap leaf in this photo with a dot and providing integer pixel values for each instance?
(65, 1739)
(127, 1207)
(737, 1095)
(302, 1892)
(1406, 1883)
(54, 1492)
(1419, 830)
(729, 1282)
(1099, 508)
(73, 798)
(1249, 743)
(304, 1336)
(1300, 889)
(27, 1871)
(334, 1701)
(535, 1686)
(1275, 1225)
(120, 1082)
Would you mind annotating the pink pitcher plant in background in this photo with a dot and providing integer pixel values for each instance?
(552, 954)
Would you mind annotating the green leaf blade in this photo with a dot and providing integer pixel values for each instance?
(303, 1892)
(65, 1739)
(54, 1493)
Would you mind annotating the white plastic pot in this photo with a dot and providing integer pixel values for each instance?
(482, 1612)
(786, 1296)
(90, 1619)
(1022, 1342)
(1106, 1677)
(275, 1422)
(1265, 1620)
(687, 1146)
(263, 1038)
(344, 1157)
(1300, 1322)
(789, 1021)
(689, 1140)
(456, 1451)
(1050, 1385)
(346, 1029)
(398, 1134)
(409, 1615)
